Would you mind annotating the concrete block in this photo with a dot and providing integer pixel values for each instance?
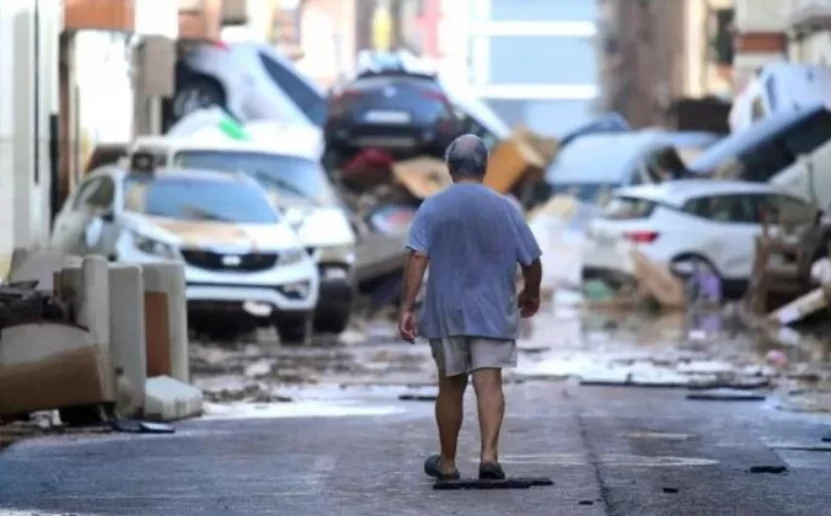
(127, 336)
(85, 289)
(50, 366)
(40, 265)
(166, 320)
(168, 399)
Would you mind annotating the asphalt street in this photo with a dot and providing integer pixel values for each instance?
(610, 450)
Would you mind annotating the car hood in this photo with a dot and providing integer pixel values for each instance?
(197, 233)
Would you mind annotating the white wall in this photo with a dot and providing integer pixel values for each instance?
(28, 96)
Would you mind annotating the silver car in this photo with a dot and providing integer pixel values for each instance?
(252, 81)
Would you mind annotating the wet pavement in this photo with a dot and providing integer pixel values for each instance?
(600, 402)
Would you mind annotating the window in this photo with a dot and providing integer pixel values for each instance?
(627, 208)
(288, 175)
(190, 199)
(779, 208)
(95, 194)
(724, 208)
(308, 100)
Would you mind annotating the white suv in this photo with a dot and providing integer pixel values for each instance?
(711, 222)
(297, 183)
(244, 265)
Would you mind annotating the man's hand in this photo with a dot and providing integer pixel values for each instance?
(528, 303)
(407, 327)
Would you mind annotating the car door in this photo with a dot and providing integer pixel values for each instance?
(731, 245)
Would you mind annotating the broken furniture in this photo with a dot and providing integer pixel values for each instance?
(130, 320)
(785, 252)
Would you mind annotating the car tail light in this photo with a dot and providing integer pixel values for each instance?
(433, 94)
(221, 45)
(641, 237)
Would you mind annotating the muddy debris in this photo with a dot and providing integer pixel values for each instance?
(252, 393)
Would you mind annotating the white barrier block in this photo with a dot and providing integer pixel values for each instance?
(94, 302)
(168, 399)
(167, 280)
(127, 336)
(86, 290)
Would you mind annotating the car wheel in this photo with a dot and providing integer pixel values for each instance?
(197, 93)
(296, 331)
(332, 322)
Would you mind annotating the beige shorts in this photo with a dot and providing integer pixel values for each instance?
(463, 355)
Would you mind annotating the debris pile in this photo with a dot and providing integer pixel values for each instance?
(21, 303)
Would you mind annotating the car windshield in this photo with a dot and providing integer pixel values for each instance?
(289, 175)
(196, 199)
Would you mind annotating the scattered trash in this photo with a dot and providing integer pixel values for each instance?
(659, 435)
(417, 397)
(725, 395)
(132, 426)
(258, 369)
(800, 447)
(508, 483)
(776, 358)
(776, 470)
(800, 308)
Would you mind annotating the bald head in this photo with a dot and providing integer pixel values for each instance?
(467, 157)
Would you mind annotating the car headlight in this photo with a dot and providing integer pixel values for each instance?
(154, 247)
(337, 254)
(292, 256)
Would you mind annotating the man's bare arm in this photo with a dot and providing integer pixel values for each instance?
(413, 275)
(532, 276)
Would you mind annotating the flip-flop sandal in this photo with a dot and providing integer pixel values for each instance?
(491, 471)
(432, 468)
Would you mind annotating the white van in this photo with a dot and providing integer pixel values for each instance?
(780, 86)
(299, 185)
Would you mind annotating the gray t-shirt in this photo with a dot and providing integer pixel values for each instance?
(474, 238)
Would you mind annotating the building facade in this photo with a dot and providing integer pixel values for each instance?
(534, 62)
(809, 30)
(74, 73)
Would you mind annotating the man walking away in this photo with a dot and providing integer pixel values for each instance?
(472, 237)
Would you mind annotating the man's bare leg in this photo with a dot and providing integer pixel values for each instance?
(449, 414)
(490, 404)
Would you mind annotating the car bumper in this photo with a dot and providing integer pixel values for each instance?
(206, 296)
(386, 137)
